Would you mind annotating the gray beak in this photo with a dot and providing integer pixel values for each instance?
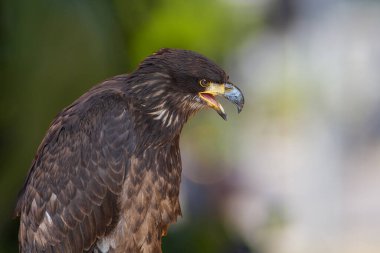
(234, 95)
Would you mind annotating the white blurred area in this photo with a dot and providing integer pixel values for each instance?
(306, 153)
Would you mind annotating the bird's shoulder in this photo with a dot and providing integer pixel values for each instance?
(78, 171)
(103, 109)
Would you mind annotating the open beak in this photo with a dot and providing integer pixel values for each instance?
(227, 90)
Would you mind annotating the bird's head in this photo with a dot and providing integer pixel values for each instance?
(177, 81)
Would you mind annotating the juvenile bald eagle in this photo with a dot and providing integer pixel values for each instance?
(106, 176)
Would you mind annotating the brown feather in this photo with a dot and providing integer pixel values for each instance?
(106, 175)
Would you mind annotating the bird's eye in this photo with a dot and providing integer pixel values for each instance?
(203, 83)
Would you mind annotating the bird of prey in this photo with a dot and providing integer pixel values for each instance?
(106, 176)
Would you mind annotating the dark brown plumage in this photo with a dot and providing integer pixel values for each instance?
(106, 176)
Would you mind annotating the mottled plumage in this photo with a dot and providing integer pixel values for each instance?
(106, 176)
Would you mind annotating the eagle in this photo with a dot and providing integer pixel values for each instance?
(106, 176)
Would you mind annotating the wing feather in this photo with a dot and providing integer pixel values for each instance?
(70, 197)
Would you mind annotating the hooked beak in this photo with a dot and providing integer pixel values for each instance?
(227, 90)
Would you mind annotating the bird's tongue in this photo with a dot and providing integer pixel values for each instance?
(211, 99)
(213, 103)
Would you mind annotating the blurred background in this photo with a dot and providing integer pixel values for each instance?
(297, 171)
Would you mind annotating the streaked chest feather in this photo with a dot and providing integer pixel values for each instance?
(149, 203)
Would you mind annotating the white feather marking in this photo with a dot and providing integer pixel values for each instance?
(53, 197)
(158, 74)
(161, 114)
(157, 93)
(34, 204)
(154, 113)
(158, 112)
(169, 120)
(165, 117)
(47, 215)
(158, 106)
(150, 82)
(176, 119)
(105, 244)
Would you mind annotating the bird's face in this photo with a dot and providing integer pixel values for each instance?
(194, 81)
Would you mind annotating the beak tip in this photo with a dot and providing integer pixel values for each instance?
(223, 115)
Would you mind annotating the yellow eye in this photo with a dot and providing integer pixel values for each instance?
(203, 83)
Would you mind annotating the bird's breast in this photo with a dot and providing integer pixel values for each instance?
(148, 202)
